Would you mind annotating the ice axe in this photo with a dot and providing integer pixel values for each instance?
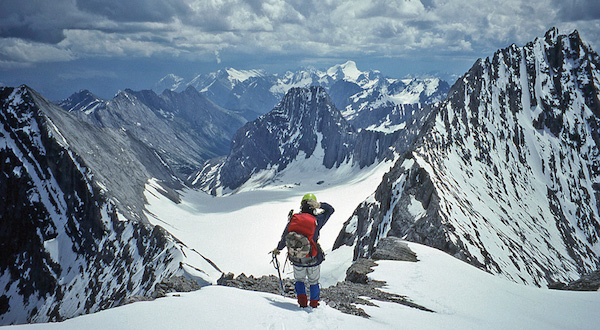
(275, 263)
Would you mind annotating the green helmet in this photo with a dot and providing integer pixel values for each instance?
(308, 197)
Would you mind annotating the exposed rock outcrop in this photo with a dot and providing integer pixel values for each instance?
(356, 289)
(588, 282)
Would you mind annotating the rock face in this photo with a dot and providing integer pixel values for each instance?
(588, 282)
(67, 248)
(506, 171)
(183, 129)
(359, 270)
(174, 284)
(305, 124)
(393, 248)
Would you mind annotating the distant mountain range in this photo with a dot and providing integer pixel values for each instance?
(303, 125)
(184, 129)
(352, 91)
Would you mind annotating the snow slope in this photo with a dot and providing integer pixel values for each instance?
(237, 231)
(462, 297)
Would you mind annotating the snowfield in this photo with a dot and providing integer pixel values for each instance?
(237, 232)
(462, 297)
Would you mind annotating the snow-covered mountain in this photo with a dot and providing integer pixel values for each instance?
(67, 246)
(351, 90)
(506, 173)
(304, 125)
(83, 101)
(184, 129)
(171, 82)
(239, 90)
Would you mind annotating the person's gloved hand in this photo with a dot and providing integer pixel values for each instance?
(275, 252)
(314, 204)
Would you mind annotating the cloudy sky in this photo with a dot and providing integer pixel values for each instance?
(61, 46)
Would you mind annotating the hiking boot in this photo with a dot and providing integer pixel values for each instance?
(303, 300)
(314, 303)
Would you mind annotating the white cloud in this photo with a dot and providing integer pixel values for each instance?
(310, 28)
(98, 43)
(15, 51)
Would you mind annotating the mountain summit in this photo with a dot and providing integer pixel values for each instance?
(506, 175)
(304, 125)
(347, 71)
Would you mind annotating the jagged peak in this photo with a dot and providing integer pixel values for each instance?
(243, 75)
(551, 39)
(16, 93)
(575, 39)
(190, 90)
(24, 88)
(347, 71)
(128, 94)
(79, 100)
(551, 35)
(307, 107)
(307, 95)
(575, 35)
(84, 91)
(171, 77)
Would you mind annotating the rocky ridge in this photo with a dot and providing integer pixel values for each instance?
(356, 289)
(505, 174)
(68, 248)
(183, 129)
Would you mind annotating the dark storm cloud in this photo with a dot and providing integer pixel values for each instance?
(36, 31)
(35, 20)
(135, 10)
(578, 10)
(28, 32)
(45, 21)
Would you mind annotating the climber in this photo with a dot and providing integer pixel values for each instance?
(300, 237)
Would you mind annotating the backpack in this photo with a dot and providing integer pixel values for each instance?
(302, 249)
(298, 245)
